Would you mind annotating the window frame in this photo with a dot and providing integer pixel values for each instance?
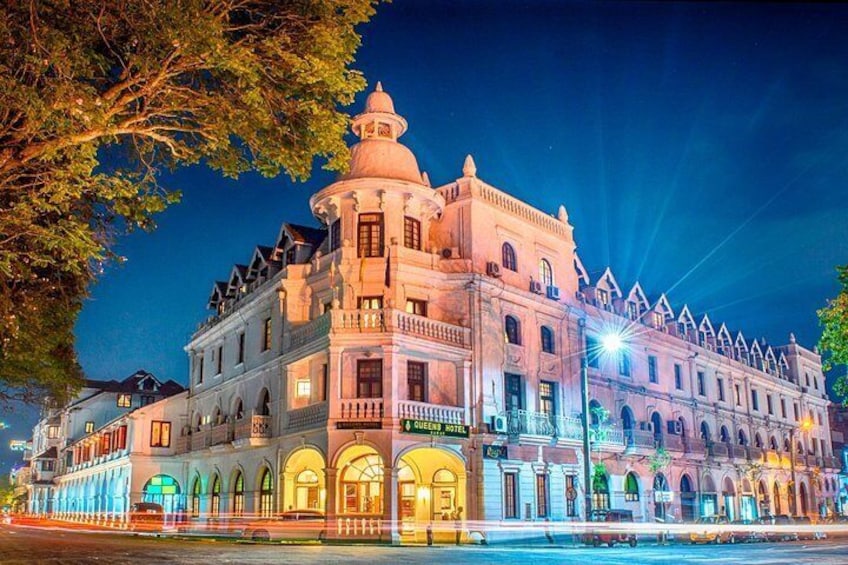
(512, 329)
(543, 495)
(370, 378)
(370, 232)
(416, 306)
(546, 273)
(335, 231)
(510, 495)
(89, 427)
(240, 358)
(416, 379)
(160, 433)
(266, 334)
(548, 342)
(124, 400)
(653, 373)
(411, 233)
(509, 259)
(678, 376)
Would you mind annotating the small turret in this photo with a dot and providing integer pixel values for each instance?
(469, 169)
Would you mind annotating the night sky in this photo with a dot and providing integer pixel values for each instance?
(700, 149)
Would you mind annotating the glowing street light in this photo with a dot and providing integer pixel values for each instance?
(805, 425)
(611, 342)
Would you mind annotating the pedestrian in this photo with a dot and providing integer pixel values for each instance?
(457, 524)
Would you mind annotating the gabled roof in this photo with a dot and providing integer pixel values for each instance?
(755, 348)
(663, 306)
(219, 293)
(770, 354)
(607, 281)
(740, 341)
(300, 234)
(686, 317)
(637, 295)
(238, 276)
(135, 382)
(723, 334)
(706, 326)
(582, 274)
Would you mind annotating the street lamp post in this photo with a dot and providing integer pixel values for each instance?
(805, 426)
(584, 401)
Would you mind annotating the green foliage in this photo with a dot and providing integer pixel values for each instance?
(599, 475)
(834, 339)
(98, 96)
(659, 460)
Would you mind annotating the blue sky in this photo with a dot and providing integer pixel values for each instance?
(698, 148)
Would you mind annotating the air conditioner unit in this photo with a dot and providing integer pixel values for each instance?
(493, 269)
(498, 424)
(675, 427)
(804, 390)
(535, 287)
(553, 292)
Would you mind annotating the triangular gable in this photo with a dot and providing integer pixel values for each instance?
(723, 336)
(755, 350)
(686, 317)
(769, 355)
(782, 361)
(237, 279)
(218, 294)
(260, 261)
(740, 342)
(582, 274)
(608, 283)
(706, 326)
(637, 295)
(664, 307)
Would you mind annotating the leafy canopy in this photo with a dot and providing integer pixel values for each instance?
(834, 338)
(98, 96)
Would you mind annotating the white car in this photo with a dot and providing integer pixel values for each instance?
(294, 525)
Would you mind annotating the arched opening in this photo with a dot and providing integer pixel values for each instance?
(802, 491)
(791, 499)
(600, 491)
(263, 408)
(682, 427)
(763, 499)
(266, 493)
(741, 437)
(705, 432)
(709, 497)
(546, 273)
(657, 425)
(547, 336)
(238, 409)
(687, 499)
(216, 416)
(724, 435)
(758, 440)
(360, 482)
(776, 497)
(163, 490)
(238, 494)
(662, 497)
(508, 259)
(773, 443)
(512, 330)
(304, 482)
(631, 488)
(432, 488)
(728, 493)
(748, 503)
(215, 501)
(627, 422)
(195, 498)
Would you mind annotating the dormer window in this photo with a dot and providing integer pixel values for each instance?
(291, 255)
(658, 320)
(632, 310)
(603, 296)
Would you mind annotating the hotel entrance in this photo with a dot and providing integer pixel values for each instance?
(431, 493)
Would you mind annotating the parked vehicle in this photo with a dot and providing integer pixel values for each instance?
(748, 531)
(708, 530)
(146, 517)
(294, 525)
(806, 530)
(606, 532)
(785, 530)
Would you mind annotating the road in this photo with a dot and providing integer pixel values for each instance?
(55, 546)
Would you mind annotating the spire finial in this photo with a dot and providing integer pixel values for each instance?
(562, 215)
(791, 337)
(379, 87)
(425, 178)
(469, 169)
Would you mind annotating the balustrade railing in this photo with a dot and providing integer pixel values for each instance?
(541, 424)
(433, 412)
(361, 409)
(694, 445)
(718, 449)
(359, 527)
(639, 439)
(255, 426)
(199, 439)
(738, 452)
(389, 320)
(673, 442)
(220, 434)
(307, 417)
(310, 331)
(754, 453)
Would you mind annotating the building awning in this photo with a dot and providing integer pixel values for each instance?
(51, 453)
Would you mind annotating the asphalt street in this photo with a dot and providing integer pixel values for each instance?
(56, 546)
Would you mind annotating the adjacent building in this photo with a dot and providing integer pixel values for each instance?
(417, 359)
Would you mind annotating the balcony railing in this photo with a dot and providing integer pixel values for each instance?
(310, 331)
(832, 463)
(253, 427)
(200, 439)
(307, 417)
(639, 439)
(673, 442)
(361, 409)
(541, 424)
(182, 445)
(694, 445)
(391, 320)
(222, 433)
(718, 450)
(433, 412)
(754, 453)
(738, 452)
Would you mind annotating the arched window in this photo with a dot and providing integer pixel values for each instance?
(631, 488)
(264, 407)
(656, 424)
(758, 440)
(215, 509)
(266, 494)
(195, 498)
(776, 497)
(743, 439)
(547, 339)
(238, 411)
(238, 495)
(164, 490)
(660, 485)
(595, 410)
(362, 485)
(508, 257)
(306, 489)
(705, 432)
(600, 492)
(512, 330)
(773, 443)
(546, 273)
(725, 435)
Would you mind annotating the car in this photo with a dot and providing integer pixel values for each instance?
(605, 532)
(785, 530)
(746, 531)
(146, 517)
(708, 529)
(806, 531)
(293, 525)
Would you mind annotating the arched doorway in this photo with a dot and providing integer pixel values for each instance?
(627, 421)
(705, 432)
(266, 493)
(687, 499)
(195, 498)
(432, 489)
(164, 490)
(776, 496)
(304, 482)
(600, 491)
(791, 499)
(215, 501)
(709, 496)
(360, 482)
(657, 425)
(728, 493)
(748, 504)
(238, 494)
(662, 498)
(763, 499)
(802, 491)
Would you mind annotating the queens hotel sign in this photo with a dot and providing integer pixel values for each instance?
(428, 428)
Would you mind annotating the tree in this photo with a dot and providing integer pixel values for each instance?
(98, 96)
(834, 338)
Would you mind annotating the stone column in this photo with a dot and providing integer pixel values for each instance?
(330, 510)
(390, 505)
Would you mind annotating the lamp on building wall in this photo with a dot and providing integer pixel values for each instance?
(611, 342)
(805, 426)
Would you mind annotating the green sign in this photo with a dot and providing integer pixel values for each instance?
(428, 428)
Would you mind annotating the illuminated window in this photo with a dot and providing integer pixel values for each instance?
(307, 490)
(600, 492)
(631, 488)
(659, 320)
(369, 378)
(304, 388)
(238, 495)
(124, 400)
(160, 434)
(416, 380)
(266, 495)
(370, 235)
(266, 335)
(547, 398)
(195, 498)
(216, 496)
(603, 296)
(164, 490)
(417, 307)
(370, 302)
(362, 486)
(89, 427)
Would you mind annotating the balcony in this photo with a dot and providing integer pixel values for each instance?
(220, 434)
(525, 422)
(391, 320)
(182, 445)
(309, 332)
(832, 463)
(361, 409)
(738, 452)
(639, 439)
(252, 431)
(754, 453)
(433, 412)
(308, 417)
(772, 457)
(695, 446)
(200, 439)
(718, 450)
(673, 442)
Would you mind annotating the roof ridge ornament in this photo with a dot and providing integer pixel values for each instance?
(379, 87)
(469, 169)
